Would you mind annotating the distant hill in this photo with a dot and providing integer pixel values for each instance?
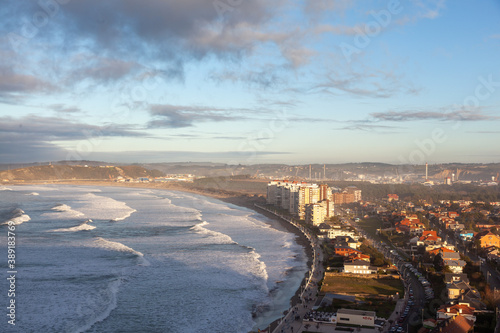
(77, 172)
(317, 172)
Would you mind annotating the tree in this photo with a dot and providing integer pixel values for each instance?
(378, 262)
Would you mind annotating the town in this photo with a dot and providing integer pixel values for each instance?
(394, 265)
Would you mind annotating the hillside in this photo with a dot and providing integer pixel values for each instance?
(76, 172)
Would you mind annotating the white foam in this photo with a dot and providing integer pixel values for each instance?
(33, 193)
(81, 227)
(125, 216)
(18, 217)
(62, 208)
(3, 188)
(218, 237)
(116, 246)
(102, 207)
(261, 271)
(67, 209)
(111, 293)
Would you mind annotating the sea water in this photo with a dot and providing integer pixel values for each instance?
(110, 259)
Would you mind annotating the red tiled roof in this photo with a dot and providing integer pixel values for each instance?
(459, 325)
(456, 309)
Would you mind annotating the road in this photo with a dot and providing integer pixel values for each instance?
(414, 317)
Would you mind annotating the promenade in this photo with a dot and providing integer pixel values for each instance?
(309, 292)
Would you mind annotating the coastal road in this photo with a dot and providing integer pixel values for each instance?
(308, 297)
(289, 324)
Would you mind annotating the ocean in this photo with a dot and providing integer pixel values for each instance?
(113, 259)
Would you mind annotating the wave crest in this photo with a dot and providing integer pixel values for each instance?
(81, 227)
(218, 237)
(18, 217)
(116, 246)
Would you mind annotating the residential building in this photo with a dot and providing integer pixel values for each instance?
(272, 193)
(452, 310)
(439, 250)
(459, 324)
(456, 266)
(355, 192)
(392, 197)
(487, 238)
(345, 251)
(345, 241)
(307, 194)
(358, 256)
(459, 290)
(342, 198)
(334, 232)
(318, 213)
(359, 267)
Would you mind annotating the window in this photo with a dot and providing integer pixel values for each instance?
(346, 319)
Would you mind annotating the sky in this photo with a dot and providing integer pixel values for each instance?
(250, 81)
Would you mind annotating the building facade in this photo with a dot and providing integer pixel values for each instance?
(356, 317)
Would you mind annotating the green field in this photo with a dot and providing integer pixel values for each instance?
(354, 285)
(371, 289)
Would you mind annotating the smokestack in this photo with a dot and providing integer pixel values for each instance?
(324, 171)
(310, 175)
(426, 171)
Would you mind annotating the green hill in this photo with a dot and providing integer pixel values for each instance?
(77, 172)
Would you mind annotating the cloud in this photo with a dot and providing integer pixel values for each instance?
(154, 29)
(56, 129)
(317, 8)
(103, 70)
(268, 77)
(19, 149)
(62, 108)
(364, 82)
(364, 126)
(33, 138)
(14, 85)
(458, 115)
(429, 9)
(178, 116)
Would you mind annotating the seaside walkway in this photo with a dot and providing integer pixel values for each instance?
(308, 295)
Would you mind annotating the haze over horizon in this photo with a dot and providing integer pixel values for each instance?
(246, 82)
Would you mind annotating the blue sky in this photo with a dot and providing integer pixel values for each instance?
(250, 81)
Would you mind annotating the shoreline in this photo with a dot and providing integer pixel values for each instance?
(236, 198)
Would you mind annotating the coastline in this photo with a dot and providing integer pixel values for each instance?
(236, 198)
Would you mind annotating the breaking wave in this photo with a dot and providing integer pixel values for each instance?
(218, 237)
(83, 226)
(116, 246)
(18, 217)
